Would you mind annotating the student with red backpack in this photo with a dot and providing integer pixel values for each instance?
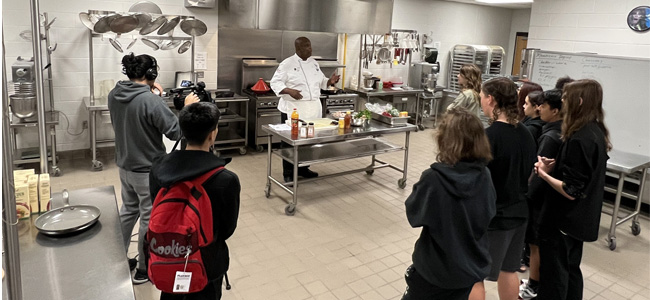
(194, 213)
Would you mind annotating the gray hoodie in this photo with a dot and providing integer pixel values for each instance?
(139, 118)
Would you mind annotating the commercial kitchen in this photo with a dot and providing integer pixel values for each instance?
(344, 234)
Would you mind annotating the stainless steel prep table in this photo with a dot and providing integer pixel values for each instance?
(398, 97)
(88, 265)
(332, 145)
(622, 164)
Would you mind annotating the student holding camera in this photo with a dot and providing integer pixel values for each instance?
(140, 117)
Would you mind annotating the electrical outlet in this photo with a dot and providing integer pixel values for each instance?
(84, 125)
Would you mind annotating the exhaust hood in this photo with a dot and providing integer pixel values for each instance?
(337, 16)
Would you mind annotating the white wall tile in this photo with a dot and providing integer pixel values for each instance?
(563, 20)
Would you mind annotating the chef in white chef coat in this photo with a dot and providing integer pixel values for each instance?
(298, 81)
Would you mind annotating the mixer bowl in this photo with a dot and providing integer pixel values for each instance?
(23, 106)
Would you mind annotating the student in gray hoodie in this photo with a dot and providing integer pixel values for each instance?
(140, 117)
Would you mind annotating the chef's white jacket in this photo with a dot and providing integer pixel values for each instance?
(302, 75)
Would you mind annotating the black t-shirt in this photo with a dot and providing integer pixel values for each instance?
(534, 125)
(513, 156)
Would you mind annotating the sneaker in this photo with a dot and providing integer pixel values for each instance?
(307, 173)
(526, 292)
(133, 262)
(140, 277)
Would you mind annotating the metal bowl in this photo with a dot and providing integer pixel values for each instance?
(359, 122)
(23, 106)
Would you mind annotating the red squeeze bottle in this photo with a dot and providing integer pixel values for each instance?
(294, 123)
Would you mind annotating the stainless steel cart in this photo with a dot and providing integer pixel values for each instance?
(232, 137)
(332, 145)
(622, 165)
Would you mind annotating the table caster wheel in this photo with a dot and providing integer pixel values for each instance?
(370, 172)
(290, 210)
(259, 148)
(401, 183)
(97, 166)
(242, 150)
(611, 242)
(56, 172)
(636, 228)
(421, 127)
(267, 191)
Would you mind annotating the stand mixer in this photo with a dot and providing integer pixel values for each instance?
(23, 101)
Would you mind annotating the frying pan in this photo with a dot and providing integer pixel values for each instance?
(145, 6)
(116, 44)
(193, 27)
(104, 23)
(88, 20)
(143, 19)
(168, 45)
(169, 26)
(150, 43)
(153, 25)
(124, 24)
(184, 47)
(67, 219)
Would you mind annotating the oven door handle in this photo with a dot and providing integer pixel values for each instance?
(264, 115)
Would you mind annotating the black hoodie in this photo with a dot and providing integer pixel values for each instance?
(454, 206)
(223, 189)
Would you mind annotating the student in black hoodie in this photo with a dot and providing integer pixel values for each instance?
(513, 155)
(453, 202)
(532, 121)
(550, 111)
(198, 124)
(571, 212)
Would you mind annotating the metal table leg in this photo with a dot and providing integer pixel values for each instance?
(636, 227)
(402, 182)
(55, 169)
(372, 164)
(290, 209)
(267, 190)
(611, 236)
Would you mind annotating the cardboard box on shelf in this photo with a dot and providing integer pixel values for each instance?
(44, 191)
(32, 183)
(22, 200)
(21, 175)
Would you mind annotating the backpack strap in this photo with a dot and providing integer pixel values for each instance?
(202, 179)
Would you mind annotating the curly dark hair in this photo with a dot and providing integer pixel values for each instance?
(135, 67)
(504, 92)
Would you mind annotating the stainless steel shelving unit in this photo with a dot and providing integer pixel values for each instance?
(31, 155)
(229, 137)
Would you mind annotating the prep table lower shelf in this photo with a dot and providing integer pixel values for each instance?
(334, 145)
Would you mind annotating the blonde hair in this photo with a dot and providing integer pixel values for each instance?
(460, 136)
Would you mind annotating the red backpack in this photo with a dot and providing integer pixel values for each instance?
(180, 224)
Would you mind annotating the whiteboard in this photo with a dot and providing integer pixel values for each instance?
(626, 91)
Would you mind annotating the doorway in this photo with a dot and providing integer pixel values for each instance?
(521, 41)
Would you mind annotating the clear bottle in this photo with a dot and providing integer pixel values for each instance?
(310, 130)
(294, 123)
(303, 130)
(341, 122)
(348, 120)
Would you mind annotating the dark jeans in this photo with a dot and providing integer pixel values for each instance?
(419, 288)
(287, 167)
(212, 291)
(559, 271)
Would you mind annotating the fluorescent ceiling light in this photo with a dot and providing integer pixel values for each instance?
(504, 1)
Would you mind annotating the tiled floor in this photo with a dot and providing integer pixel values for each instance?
(350, 239)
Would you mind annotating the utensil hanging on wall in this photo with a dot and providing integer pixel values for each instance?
(124, 24)
(145, 6)
(193, 27)
(116, 44)
(184, 47)
(104, 23)
(150, 43)
(169, 26)
(153, 25)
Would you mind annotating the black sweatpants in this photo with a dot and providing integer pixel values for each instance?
(560, 277)
(287, 167)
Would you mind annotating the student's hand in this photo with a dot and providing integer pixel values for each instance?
(191, 98)
(543, 166)
(157, 89)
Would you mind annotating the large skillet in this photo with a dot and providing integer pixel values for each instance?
(67, 219)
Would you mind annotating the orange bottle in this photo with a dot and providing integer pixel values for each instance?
(294, 123)
(347, 120)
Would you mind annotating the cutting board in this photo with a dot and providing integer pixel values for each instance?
(323, 123)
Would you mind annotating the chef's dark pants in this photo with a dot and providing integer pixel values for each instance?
(212, 291)
(560, 277)
(287, 167)
(419, 288)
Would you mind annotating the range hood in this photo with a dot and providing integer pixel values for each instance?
(337, 16)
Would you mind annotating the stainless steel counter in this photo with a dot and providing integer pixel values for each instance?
(332, 145)
(623, 164)
(88, 265)
(383, 92)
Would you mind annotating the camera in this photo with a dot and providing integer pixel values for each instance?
(187, 87)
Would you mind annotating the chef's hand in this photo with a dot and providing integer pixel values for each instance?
(334, 79)
(191, 98)
(157, 89)
(295, 94)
